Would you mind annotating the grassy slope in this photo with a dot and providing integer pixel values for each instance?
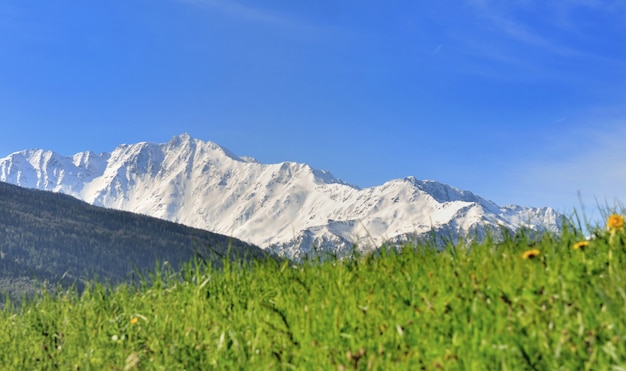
(482, 307)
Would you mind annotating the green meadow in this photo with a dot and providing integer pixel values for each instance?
(546, 303)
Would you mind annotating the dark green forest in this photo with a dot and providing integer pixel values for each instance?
(53, 239)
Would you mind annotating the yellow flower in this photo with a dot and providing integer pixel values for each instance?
(615, 221)
(530, 254)
(133, 321)
(580, 245)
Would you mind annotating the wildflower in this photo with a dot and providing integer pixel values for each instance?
(615, 221)
(133, 321)
(580, 245)
(530, 254)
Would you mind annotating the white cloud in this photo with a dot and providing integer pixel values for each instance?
(591, 163)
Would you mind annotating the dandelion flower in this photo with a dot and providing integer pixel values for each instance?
(580, 245)
(615, 221)
(530, 254)
(133, 321)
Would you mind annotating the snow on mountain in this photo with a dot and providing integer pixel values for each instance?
(287, 207)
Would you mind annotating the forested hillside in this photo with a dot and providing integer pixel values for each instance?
(54, 238)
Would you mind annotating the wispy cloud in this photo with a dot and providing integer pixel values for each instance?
(505, 19)
(513, 17)
(591, 163)
(237, 10)
(546, 40)
(256, 14)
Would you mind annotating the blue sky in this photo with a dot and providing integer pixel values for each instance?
(519, 101)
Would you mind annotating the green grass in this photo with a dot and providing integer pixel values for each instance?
(471, 307)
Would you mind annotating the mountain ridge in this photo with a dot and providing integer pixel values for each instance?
(54, 238)
(288, 207)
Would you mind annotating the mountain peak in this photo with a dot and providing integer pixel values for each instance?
(187, 141)
(180, 139)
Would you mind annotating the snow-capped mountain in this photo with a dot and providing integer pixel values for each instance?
(288, 207)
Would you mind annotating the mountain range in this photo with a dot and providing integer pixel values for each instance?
(288, 208)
